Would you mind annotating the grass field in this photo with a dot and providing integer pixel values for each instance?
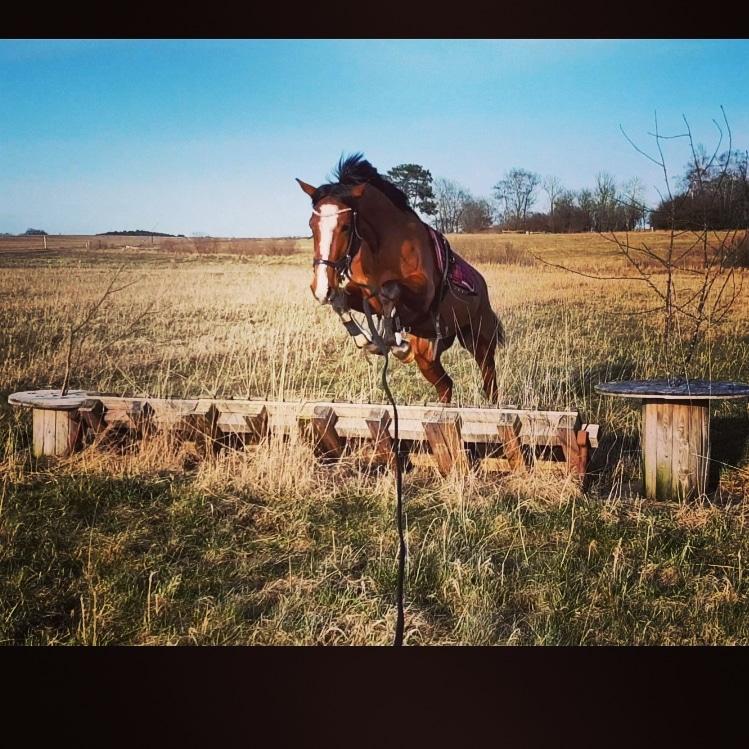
(159, 544)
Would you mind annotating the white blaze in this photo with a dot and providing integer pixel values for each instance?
(328, 223)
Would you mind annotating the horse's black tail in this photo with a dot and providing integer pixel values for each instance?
(499, 334)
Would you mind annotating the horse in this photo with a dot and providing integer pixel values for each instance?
(374, 254)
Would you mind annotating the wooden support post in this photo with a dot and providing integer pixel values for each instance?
(509, 435)
(92, 415)
(443, 433)
(378, 423)
(252, 421)
(675, 443)
(257, 424)
(56, 433)
(204, 427)
(328, 445)
(571, 449)
(141, 418)
(583, 452)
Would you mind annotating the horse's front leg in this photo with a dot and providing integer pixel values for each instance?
(389, 294)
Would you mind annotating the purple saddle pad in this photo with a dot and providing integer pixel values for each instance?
(460, 274)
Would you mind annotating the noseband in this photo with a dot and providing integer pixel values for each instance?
(342, 265)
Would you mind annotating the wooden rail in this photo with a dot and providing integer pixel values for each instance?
(451, 436)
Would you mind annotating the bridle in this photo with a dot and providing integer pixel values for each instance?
(342, 266)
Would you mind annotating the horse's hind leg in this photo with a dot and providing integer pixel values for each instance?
(482, 343)
(427, 357)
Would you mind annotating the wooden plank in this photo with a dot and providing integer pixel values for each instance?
(477, 424)
(699, 425)
(62, 433)
(583, 446)
(442, 430)
(38, 432)
(649, 448)
(50, 432)
(685, 483)
(568, 441)
(378, 425)
(509, 435)
(328, 444)
(664, 448)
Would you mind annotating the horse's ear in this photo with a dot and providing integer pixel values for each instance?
(309, 189)
(358, 190)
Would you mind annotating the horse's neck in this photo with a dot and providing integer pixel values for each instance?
(386, 229)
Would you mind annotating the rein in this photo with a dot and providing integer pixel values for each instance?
(402, 548)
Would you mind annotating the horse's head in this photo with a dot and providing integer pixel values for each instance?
(334, 230)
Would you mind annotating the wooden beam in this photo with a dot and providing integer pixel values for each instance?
(571, 449)
(252, 422)
(327, 443)
(378, 423)
(92, 415)
(583, 451)
(443, 434)
(509, 435)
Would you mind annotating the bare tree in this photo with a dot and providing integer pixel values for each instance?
(552, 186)
(516, 192)
(451, 199)
(604, 196)
(632, 200)
(694, 285)
(477, 215)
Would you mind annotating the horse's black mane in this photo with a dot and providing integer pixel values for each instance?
(354, 170)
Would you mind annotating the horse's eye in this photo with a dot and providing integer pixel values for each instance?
(345, 228)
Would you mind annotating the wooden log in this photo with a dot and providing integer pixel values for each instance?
(328, 444)
(442, 430)
(675, 448)
(55, 433)
(509, 434)
(378, 423)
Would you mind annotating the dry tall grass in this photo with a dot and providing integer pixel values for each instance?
(156, 543)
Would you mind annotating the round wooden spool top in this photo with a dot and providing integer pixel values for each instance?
(50, 400)
(674, 389)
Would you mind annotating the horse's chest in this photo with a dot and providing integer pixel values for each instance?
(401, 263)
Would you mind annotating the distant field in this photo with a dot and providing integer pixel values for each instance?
(162, 545)
(180, 245)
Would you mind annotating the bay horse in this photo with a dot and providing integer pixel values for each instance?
(374, 253)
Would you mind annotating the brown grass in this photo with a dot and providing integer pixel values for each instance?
(158, 543)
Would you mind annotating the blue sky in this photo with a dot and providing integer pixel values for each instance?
(207, 136)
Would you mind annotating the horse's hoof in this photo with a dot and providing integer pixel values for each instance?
(403, 352)
(372, 348)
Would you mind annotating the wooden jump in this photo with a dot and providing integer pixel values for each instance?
(447, 436)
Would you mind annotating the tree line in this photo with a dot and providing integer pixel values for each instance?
(713, 192)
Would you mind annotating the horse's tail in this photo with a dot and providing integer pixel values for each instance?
(499, 335)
